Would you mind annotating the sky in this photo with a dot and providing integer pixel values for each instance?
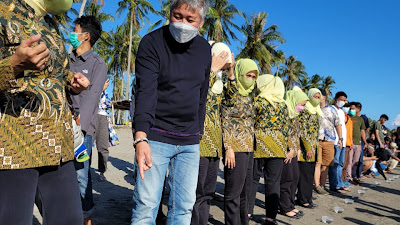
(354, 41)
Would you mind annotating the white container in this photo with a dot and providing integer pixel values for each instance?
(338, 209)
(327, 219)
(388, 181)
(378, 183)
(366, 188)
(355, 196)
(348, 201)
(361, 192)
(391, 179)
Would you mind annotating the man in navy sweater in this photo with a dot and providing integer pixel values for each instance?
(172, 74)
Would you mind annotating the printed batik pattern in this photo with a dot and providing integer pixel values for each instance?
(309, 125)
(237, 116)
(271, 129)
(35, 120)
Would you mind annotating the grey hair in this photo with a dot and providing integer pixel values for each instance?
(194, 4)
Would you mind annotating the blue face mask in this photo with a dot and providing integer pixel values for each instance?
(73, 39)
(346, 110)
(352, 112)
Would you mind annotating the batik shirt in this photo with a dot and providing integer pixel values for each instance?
(237, 119)
(309, 125)
(327, 124)
(294, 135)
(104, 104)
(271, 129)
(35, 120)
(211, 142)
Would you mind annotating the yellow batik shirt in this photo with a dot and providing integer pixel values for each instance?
(271, 129)
(237, 115)
(35, 120)
(294, 135)
(211, 142)
(309, 125)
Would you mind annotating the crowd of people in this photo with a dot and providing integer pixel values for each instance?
(194, 105)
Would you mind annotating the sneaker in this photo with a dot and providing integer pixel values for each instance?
(320, 190)
(102, 178)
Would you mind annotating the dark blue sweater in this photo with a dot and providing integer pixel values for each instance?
(171, 87)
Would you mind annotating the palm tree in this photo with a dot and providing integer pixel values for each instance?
(261, 43)
(138, 10)
(164, 13)
(219, 20)
(293, 71)
(316, 81)
(304, 83)
(327, 85)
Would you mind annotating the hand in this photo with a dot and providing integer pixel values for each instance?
(310, 155)
(30, 58)
(365, 146)
(219, 61)
(289, 156)
(381, 146)
(230, 158)
(340, 144)
(143, 157)
(231, 73)
(79, 83)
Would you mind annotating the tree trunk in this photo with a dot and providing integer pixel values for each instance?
(128, 74)
(80, 14)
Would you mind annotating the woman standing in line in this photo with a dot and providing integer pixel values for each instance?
(211, 141)
(295, 100)
(309, 125)
(271, 133)
(238, 138)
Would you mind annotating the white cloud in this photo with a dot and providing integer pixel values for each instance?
(396, 121)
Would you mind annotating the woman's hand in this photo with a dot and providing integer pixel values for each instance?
(230, 158)
(310, 154)
(290, 156)
(219, 61)
(231, 73)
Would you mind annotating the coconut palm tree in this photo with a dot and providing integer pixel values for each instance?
(315, 81)
(293, 71)
(219, 21)
(327, 86)
(164, 13)
(262, 42)
(138, 10)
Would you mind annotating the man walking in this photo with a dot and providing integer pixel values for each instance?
(86, 32)
(172, 77)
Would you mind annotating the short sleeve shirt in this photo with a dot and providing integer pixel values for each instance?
(328, 123)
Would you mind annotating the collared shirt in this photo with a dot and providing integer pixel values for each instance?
(327, 124)
(342, 120)
(35, 120)
(86, 103)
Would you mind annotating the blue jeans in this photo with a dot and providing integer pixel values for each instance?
(182, 161)
(335, 171)
(85, 179)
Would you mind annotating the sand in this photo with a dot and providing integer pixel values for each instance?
(113, 198)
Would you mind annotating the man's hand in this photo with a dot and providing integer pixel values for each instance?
(79, 83)
(340, 144)
(143, 157)
(30, 58)
(230, 158)
(381, 145)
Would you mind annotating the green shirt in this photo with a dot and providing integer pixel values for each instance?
(358, 125)
(378, 126)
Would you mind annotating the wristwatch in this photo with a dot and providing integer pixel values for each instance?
(140, 140)
(341, 139)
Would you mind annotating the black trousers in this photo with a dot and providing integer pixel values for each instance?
(207, 182)
(272, 168)
(289, 181)
(54, 189)
(306, 180)
(102, 142)
(237, 185)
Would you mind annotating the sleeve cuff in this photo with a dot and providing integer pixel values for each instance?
(142, 126)
(7, 77)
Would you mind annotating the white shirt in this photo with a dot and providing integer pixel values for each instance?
(342, 120)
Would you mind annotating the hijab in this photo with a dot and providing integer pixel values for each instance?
(243, 66)
(216, 49)
(271, 88)
(293, 98)
(313, 104)
(54, 7)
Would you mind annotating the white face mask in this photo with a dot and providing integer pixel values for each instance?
(340, 104)
(183, 32)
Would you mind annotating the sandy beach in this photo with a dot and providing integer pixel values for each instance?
(113, 198)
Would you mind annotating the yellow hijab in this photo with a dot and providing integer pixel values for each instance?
(271, 88)
(310, 107)
(54, 7)
(294, 97)
(243, 66)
